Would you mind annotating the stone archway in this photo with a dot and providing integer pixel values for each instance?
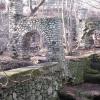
(31, 42)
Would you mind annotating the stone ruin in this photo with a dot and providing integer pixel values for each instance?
(28, 34)
(30, 37)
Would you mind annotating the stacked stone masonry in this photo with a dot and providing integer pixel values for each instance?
(43, 86)
(48, 28)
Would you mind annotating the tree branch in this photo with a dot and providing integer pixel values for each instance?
(36, 8)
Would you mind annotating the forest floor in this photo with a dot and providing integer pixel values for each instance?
(85, 90)
(88, 89)
(82, 53)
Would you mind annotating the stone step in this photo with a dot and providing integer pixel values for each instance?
(92, 78)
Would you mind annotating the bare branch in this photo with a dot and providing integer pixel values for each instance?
(36, 8)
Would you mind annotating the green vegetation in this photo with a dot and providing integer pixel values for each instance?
(77, 70)
(81, 69)
(36, 73)
(24, 75)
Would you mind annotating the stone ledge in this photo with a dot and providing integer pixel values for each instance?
(42, 86)
(28, 68)
(18, 70)
(26, 73)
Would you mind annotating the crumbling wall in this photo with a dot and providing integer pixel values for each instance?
(43, 85)
(49, 28)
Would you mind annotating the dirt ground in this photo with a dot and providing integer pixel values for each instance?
(85, 89)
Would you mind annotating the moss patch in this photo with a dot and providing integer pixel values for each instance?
(81, 69)
(77, 71)
(36, 73)
(90, 74)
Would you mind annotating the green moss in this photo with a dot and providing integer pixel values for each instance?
(93, 78)
(77, 71)
(92, 71)
(20, 74)
(97, 76)
(36, 73)
(79, 68)
(91, 75)
(25, 75)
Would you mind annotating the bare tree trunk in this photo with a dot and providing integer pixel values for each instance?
(70, 7)
(64, 29)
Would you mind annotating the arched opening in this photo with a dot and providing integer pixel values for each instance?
(35, 44)
(31, 43)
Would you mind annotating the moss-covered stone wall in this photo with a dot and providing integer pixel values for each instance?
(44, 83)
(77, 70)
(85, 69)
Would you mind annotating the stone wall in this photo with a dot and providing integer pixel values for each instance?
(77, 68)
(43, 85)
(4, 31)
(49, 28)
